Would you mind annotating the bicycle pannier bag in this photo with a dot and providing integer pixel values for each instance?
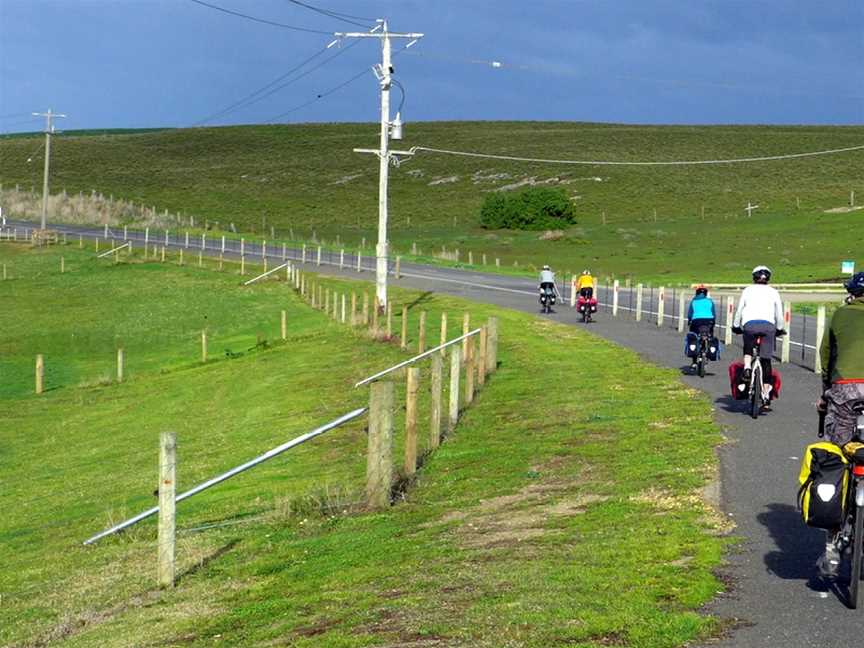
(691, 345)
(824, 479)
(714, 349)
(736, 380)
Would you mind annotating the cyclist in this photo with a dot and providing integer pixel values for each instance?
(585, 284)
(547, 281)
(759, 314)
(702, 315)
(842, 355)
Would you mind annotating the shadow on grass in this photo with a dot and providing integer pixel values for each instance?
(201, 564)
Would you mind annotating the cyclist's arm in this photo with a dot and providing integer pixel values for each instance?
(690, 312)
(713, 310)
(779, 315)
(736, 321)
(828, 355)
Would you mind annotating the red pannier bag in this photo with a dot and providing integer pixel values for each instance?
(591, 303)
(736, 372)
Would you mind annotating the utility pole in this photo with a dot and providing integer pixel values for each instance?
(384, 73)
(49, 130)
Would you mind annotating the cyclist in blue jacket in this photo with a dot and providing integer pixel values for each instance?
(702, 315)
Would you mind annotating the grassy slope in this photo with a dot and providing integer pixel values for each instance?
(542, 521)
(306, 178)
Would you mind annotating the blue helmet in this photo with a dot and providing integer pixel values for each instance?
(855, 285)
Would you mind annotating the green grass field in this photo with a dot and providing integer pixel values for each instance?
(305, 179)
(540, 522)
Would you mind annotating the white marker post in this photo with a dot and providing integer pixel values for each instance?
(787, 341)
(730, 315)
(615, 286)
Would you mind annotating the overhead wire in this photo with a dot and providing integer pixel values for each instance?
(260, 20)
(338, 15)
(514, 158)
(326, 93)
(276, 85)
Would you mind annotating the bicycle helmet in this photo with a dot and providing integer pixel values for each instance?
(701, 289)
(586, 272)
(761, 274)
(855, 285)
(545, 267)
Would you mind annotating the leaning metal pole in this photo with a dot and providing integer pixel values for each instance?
(234, 471)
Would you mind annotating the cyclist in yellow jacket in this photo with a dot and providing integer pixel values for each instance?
(585, 284)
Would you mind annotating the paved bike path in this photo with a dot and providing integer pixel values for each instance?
(773, 596)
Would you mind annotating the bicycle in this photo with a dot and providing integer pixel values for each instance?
(703, 353)
(851, 536)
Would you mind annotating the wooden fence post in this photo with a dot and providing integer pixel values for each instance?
(40, 373)
(413, 385)
(820, 334)
(661, 304)
(341, 258)
(443, 332)
(373, 327)
(421, 343)
(344, 300)
(303, 254)
(284, 325)
(492, 345)
(435, 413)
(470, 368)
(204, 346)
(466, 326)
(455, 371)
(62, 265)
(379, 459)
(359, 266)
(682, 316)
(639, 288)
(786, 348)
(730, 316)
(389, 319)
(120, 365)
(353, 309)
(481, 356)
(398, 267)
(365, 313)
(167, 506)
(615, 286)
(318, 259)
(403, 341)
(163, 254)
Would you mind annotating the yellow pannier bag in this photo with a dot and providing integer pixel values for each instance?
(824, 480)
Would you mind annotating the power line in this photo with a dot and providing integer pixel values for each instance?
(318, 97)
(264, 88)
(513, 158)
(260, 20)
(348, 18)
(325, 93)
(295, 79)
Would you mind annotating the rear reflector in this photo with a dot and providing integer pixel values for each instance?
(858, 470)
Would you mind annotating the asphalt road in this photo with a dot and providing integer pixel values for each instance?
(774, 597)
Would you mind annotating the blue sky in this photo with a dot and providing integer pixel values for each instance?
(152, 63)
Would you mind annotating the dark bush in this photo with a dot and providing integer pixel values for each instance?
(537, 208)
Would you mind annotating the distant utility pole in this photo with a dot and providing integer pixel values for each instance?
(49, 130)
(393, 129)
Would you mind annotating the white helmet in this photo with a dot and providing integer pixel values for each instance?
(762, 273)
(546, 267)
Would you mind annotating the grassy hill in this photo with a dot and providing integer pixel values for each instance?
(307, 178)
(528, 527)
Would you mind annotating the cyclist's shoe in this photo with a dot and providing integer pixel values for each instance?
(829, 563)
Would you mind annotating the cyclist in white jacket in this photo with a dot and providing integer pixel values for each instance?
(759, 314)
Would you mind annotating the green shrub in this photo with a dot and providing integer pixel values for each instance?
(537, 208)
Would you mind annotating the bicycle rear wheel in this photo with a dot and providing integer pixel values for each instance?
(857, 550)
(756, 392)
(701, 366)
